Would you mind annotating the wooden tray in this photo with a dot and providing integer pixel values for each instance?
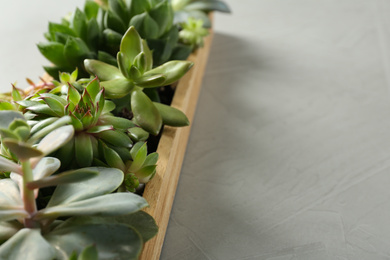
(160, 191)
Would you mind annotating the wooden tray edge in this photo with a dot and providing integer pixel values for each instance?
(160, 191)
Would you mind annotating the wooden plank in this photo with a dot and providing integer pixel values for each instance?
(160, 191)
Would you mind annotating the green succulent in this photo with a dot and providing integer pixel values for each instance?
(85, 206)
(96, 31)
(90, 116)
(193, 32)
(197, 9)
(135, 73)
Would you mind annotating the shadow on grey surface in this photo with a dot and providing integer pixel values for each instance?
(206, 220)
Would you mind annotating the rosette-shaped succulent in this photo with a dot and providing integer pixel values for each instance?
(96, 31)
(136, 72)
(197, 9)
(193, 32)
(100, 139)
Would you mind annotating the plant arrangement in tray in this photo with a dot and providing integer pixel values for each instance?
(74, 150)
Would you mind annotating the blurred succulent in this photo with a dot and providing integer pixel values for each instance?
(135, 73)
(96, 31)
(193, 32)
(89, 253)
(197, 9)
(32, 233)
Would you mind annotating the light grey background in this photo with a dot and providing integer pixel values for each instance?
(289, 154)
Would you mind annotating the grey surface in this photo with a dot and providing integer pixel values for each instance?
(289, 154)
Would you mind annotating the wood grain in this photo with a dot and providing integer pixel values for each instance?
(160, 191)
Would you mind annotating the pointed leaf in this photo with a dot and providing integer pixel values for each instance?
(55, 105)
(145, 25)
(43, 123)
(93, 88)
(73, 95)
(172, 70)
(138, 159)
(146, 173)
(76, 51)
(54, 52)
(151, 159)
(112, 158)
(172, 116)
(131, 44)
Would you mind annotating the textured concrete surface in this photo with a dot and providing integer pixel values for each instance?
(289, 153)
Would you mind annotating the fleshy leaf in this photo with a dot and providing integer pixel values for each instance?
(172, 116)
(27, 244)
(117, 88)
(62, 178)
(8, 229)
(56, 139)
(10, 201)
(102, 70)
(8, 166)
(151, 81)
(113, 241)
(117, 122)
(22, 150)
(46, 167)
(145, 113)
(172, 70)
(131, 44)
(93, 187)
(105, 205)
(51, 128)
(83, 149)
(6, 117)
(112, 158)
(116, 138)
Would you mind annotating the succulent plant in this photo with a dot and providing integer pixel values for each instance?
(100, 139)
(193, 32)
(136, 72)
(85, 206)
(197, 9)
(96, 31)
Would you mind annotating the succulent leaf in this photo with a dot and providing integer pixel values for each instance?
(27, 244)
(102, 70)
(145, 113)
(172, 116)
